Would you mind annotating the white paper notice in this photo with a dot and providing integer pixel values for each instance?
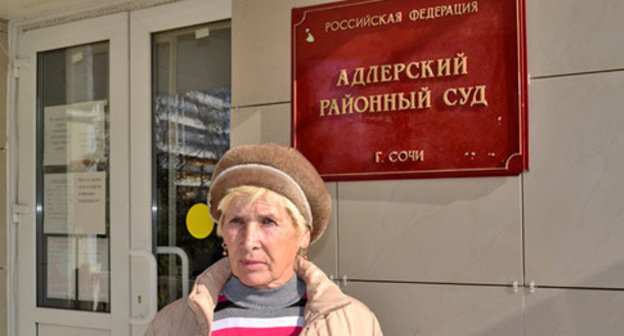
(93, 275)
(75, 203)
(89, 206)
(74, 133)
(55, 204)
(55, 136)
(61, 272)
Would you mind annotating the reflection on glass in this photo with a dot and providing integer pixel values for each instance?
(72, 178)
(191, 130)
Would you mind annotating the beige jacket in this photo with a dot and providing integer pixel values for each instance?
(328, 312)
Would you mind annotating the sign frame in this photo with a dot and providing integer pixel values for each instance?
(516, 160)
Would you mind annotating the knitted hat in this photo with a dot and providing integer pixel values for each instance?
(278, 168)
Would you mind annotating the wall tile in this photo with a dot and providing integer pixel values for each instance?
(261, 50)
(442, 230)
(560, 312)
(573, 193)
(3, 210)
(269, 123)
(4, 65)
(3, 246)
(574, 36)
(438, 310)
(3, 302)
(324, 252)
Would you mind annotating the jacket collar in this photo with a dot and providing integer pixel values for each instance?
(323, 294)
(205, 294)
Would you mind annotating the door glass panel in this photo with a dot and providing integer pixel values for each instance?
(73, 178)
(191, 131)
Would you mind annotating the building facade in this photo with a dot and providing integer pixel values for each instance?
(541, 253)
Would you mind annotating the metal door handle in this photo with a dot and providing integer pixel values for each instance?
(153, 274)
(185, 264)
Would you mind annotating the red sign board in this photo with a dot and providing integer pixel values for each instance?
(410, 89)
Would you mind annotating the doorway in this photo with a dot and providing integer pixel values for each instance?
(120, 119)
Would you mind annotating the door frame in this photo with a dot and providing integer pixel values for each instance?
(143, 23)
(114, 29)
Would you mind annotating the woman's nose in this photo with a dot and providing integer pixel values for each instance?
(251, 236)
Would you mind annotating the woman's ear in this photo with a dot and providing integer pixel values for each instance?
(304, 240)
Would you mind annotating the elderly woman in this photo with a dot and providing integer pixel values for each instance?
(270, 204)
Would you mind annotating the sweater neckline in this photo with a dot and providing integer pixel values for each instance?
(283, 296)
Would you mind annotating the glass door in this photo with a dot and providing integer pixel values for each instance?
(73, 150)
(181, 110)
(191, 123)
(73, 183)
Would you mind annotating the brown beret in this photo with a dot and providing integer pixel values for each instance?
(278, 168)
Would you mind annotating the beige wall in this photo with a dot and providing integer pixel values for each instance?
(438, 257)
(3, 185)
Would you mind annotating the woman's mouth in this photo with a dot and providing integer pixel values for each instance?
(252, 264)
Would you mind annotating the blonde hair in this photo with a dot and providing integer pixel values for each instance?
(251, 194)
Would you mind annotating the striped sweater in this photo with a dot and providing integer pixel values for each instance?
(245, 311)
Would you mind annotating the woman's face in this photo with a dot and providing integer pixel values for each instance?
(262, 242)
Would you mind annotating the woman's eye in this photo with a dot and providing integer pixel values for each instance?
(268, 221)
(236, 220)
